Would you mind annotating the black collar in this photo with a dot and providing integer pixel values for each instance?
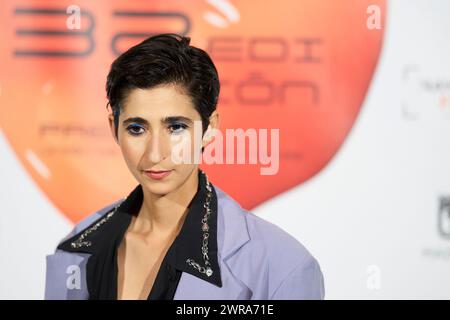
(187, 245)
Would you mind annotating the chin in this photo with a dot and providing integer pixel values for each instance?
(156, 184)
(158, 188)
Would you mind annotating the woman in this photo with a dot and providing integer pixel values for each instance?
(175, 236)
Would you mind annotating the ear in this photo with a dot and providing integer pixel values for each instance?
(112, 127)
(213, 125)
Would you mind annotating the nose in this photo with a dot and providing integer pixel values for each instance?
(156, 148)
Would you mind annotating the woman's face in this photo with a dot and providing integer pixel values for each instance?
(154, 123)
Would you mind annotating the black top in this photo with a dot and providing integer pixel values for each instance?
(104, 241)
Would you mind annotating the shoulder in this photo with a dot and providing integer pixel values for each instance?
(263, 234)
(288, 267)
(90, 219)
(299, 275)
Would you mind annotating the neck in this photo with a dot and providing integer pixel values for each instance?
(165, 214)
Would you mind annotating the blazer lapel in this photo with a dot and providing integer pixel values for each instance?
(232, 234)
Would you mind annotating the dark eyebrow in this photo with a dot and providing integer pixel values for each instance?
(167, 120)
(176, 119)
(135, 120)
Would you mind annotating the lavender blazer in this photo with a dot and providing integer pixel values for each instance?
(258, 260)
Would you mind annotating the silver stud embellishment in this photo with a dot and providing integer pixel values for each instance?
(81, 242)
(206, 269)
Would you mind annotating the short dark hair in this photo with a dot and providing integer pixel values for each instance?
(165, 59)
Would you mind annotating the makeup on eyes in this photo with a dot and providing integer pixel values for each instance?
(165, 120)
(174, 127)
(131, 129)
(180, 125)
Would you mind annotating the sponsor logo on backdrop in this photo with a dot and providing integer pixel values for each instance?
(444, 217)
(426, 95)
(441, 252)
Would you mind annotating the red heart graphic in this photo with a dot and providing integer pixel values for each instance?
(302, 67)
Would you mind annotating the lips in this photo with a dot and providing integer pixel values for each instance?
(157, 175)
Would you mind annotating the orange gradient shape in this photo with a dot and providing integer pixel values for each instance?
(301, 66)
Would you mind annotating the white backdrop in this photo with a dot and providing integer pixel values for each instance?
(370, 216)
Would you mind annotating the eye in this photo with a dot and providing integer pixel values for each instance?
(177, 127)
(135, 130)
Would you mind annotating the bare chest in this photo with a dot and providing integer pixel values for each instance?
(138, 266)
